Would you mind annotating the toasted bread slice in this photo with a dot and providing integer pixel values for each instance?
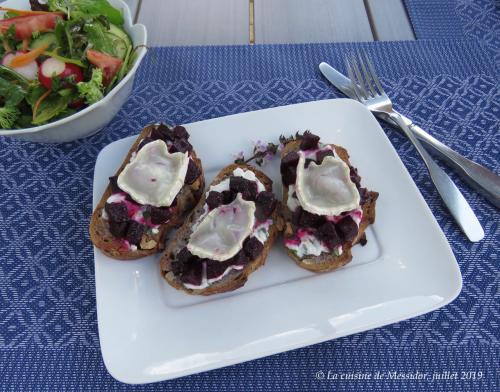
(327, 261)
(152, 241)
(235, 278)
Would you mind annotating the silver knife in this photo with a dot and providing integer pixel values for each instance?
(480, 178)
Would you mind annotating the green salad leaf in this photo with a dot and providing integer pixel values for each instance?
(98, 38)
(92, 91)
(76, 9)
(53, 106)
(12, 93)
(8, 116)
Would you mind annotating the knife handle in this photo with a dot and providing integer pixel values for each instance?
(480, 178)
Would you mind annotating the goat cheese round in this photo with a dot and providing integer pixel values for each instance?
(154, 176)
(220, 235)
(325, 189)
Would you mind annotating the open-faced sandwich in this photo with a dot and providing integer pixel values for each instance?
(326, 210)
(159, 182)
(227, 236)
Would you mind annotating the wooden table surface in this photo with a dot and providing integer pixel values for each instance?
(239, 22)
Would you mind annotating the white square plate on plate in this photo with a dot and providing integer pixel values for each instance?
(151, 332)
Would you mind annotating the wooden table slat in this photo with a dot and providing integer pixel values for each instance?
(298, 21)
(195, 22)
(390, 20)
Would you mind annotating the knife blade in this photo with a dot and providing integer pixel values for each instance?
(480, 178)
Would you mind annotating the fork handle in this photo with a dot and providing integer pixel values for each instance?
(483, 180)
(451, 195)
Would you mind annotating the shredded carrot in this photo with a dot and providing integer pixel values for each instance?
(26, 43)
(28, 12)
(39, 101)
(26, 58)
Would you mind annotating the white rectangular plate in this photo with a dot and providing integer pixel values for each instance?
(150, 332)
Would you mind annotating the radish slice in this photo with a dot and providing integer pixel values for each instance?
(52, 67)
(29, 71)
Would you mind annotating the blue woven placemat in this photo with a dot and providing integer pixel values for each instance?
(48, 326)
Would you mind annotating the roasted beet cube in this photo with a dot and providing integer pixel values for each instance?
(159, 215)
(193, 273)
(145, 141)
(215, 268)
(247, 188)
(118, 229)
(134, 232)
(265, 205)
(309, 141)
(239, 259)
(193, 172)
(252, 247)
(290, 159)
(117, 212)
(355, 176)
(176, 267)
(296, 215)
(180, 145)
(214, 199)
(162, 132)
(289, 175)
(228, 196)
(320, 155)
(180, 132)
(113, 183)
(327, 233)
(347, 228)
(184, 255)
(363, 195)
(310, 220)
(308, 162)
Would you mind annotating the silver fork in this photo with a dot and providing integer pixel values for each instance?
(370, 93)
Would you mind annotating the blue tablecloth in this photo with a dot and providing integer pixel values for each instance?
(48, 326)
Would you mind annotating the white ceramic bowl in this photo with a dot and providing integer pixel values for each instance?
(94, 117)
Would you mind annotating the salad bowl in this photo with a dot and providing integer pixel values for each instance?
(92, 118)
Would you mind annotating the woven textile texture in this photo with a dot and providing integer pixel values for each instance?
(48, 326)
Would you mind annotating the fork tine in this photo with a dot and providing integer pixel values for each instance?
(359, 78)
(373, 74)
(366, 74)
(351, 75)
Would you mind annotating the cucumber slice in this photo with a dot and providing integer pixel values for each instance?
(119, 46)
(44, 38)
(115, 30)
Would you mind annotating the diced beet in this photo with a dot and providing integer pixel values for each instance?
(265, 205)
(193, 274)
(363, 195)
(176, 267)
(308, 162)
(290, 159)
(214, 199)
(289, 175)
(239, 259)
(228, 196)
(247, 188)
(327, 233)
(118, 229)
(347, 228)
(159, 215)
(113, 183)
(310, 220)
(180, 132)
(184, 255)
(309, 141)
(193, 172)
(134, 232)
(296, 215)
(180, 145)
(144, 141)
(215, 268)
(117, 212)
(162, 132)
(252, 247)
(353, 172)
(320, 155)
